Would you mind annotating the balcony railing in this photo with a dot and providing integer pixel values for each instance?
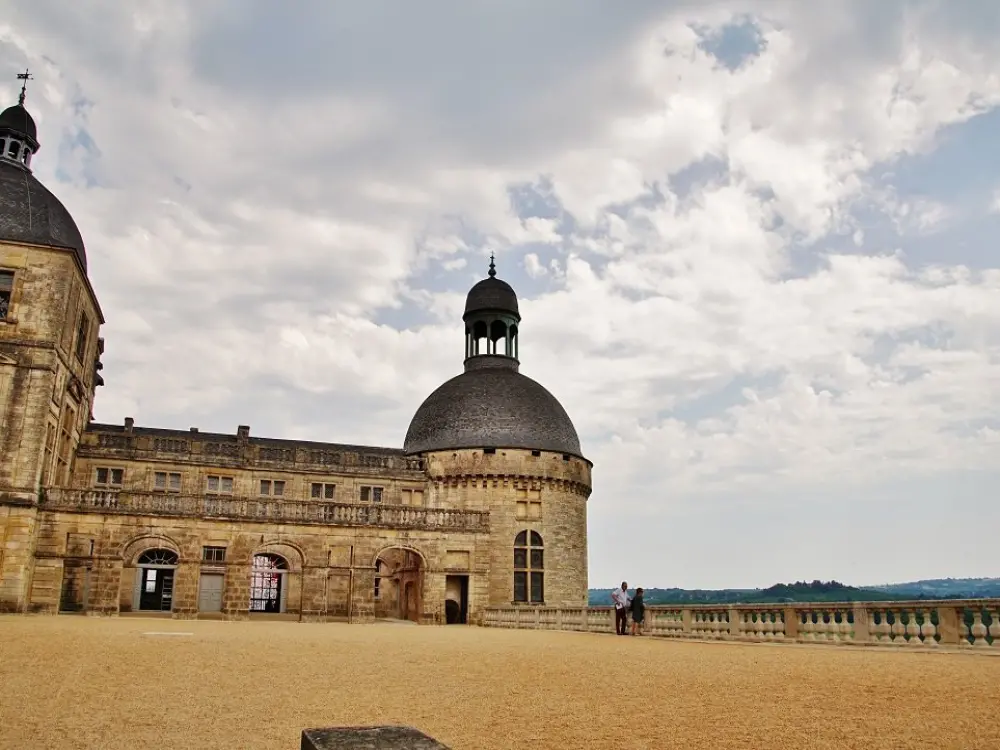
(973, 623)
(264, 511)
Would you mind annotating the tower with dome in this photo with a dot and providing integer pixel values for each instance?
(484, 506)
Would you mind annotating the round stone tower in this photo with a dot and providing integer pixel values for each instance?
(493, 439)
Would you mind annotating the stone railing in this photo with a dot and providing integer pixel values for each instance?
(973, 623)
(265, 511)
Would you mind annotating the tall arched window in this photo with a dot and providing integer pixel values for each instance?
(529, 567)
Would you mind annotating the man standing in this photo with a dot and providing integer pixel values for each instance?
(621, 600)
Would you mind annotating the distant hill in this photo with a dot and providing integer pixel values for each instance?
(819, 591)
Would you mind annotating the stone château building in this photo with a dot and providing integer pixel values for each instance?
(485, 505)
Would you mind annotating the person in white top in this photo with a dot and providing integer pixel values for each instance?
(621, 599)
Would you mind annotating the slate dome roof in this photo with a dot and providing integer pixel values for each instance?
(491, 407)
(30, 213)
(491, 294)
(17, 118)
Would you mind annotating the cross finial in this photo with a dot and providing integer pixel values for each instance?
(25, 76)
(493, 268)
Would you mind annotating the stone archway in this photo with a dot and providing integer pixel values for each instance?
(399, 584)
(154, 582)
(268, 583)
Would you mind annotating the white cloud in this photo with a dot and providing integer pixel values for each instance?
(729, 330)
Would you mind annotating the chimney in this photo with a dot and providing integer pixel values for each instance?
(243, 431)
(194, 429)
(128, 424)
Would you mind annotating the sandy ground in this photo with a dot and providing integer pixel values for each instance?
(75, 682)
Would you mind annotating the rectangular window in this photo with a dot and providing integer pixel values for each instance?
(534, 511)
(323, 491)
(371, 494)
(521, 509)
(167, 481)
(219, 485)
(6, 292)
(81, 337)
(213, 554)
(105, 477)
(272, 487)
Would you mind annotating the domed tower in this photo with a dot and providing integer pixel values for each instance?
(49, 347)
(494, 439)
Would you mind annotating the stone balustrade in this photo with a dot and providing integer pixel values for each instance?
(265, 511)
(961, 623)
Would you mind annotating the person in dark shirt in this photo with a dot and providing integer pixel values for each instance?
(638, 608)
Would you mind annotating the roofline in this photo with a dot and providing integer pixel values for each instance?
(232, 437)
(504, 310)
(499, 447)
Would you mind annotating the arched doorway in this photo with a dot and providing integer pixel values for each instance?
(154, 585)
(399, 584)
(268, 589)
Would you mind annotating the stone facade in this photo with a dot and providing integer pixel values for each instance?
(93, 514)
(49, 348)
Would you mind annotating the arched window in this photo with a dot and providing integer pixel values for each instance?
(157, 557)
(529, 567)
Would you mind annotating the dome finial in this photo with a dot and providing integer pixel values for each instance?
(25, 76)
(493, 268)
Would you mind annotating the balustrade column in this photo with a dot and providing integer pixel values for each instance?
(948, 627)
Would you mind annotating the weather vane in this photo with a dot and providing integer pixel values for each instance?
(493, 268)
(25, 76)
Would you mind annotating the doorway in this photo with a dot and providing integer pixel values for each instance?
(399, 575)
(155, 581)
(267, 583)
(210, 592)
(456, 600)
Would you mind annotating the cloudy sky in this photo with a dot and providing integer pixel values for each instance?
(755, 245)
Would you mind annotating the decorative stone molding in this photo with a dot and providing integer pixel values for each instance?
(264, 511)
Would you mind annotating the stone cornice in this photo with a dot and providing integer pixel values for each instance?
(514, 481)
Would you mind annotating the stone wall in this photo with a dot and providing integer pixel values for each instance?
(48, 351)
(523, 490)
(330, 569)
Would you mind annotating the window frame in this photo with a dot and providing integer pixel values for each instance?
(272, 486)
(167, 481)
(6, 311)
(212, 558)
(529, 568)
(108, 483)
(324, 488)
(371, 494)
(82, 336)
(220, 481)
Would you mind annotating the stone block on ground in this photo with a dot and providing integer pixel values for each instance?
(368, 738)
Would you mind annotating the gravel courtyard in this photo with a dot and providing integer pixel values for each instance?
(105, 684)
